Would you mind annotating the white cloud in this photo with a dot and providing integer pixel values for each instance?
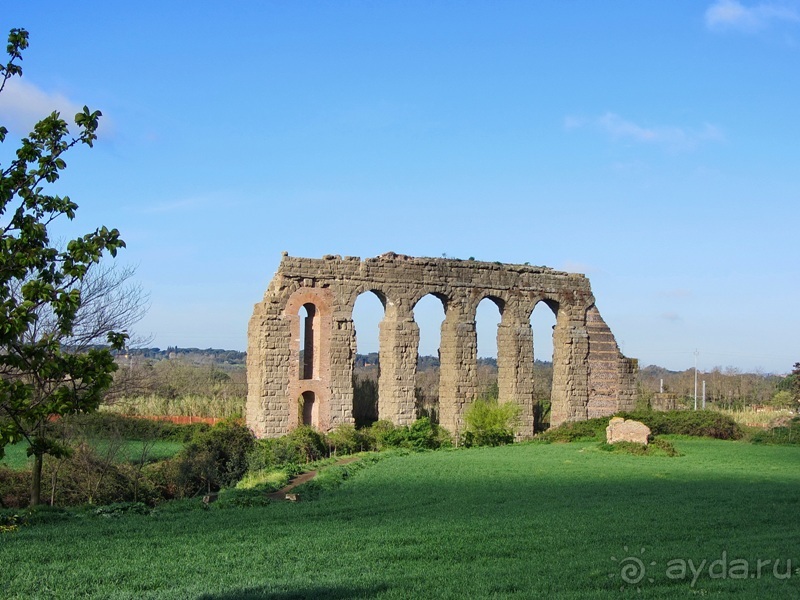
(732, 14)
(675, 138)
(22, 105)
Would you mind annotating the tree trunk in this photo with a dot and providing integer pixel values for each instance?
(36, 480)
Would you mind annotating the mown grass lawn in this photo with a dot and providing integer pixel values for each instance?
(524, 521)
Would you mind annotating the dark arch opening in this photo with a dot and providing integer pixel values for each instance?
(308, 333)
(429, 314)
(308, 409)
(543, 322)
(368, 311)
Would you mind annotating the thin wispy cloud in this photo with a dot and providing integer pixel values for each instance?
(22, 105)
(733, 15)
(621, 129)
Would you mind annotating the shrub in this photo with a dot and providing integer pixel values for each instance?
(86, 477)
(346, 439)
(422, 434)
(310, 443)
(213, 459)
(574, 431)
(384, 434)
(490, 423)
(701, 423)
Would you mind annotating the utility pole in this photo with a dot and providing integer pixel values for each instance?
(704, 394)
(695, 378)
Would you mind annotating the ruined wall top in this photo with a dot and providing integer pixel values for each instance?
(391, 270)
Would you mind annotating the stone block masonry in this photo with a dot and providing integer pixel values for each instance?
(591, 377)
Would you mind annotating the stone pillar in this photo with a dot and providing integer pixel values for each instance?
(570, 393)
(399, 341)
(458, 377)
(342, 358)
(515, 367)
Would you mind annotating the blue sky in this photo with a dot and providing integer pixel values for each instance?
(652, 146)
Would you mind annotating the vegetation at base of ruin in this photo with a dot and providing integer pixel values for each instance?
(212, 383)
(577, 431)
(490, 423)
(656, 447)
(524, 520)
(699, 423)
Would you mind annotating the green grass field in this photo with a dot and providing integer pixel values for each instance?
(16, 456)
(524, 521)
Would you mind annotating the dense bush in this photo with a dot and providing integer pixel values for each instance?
(489, 423)
(214, 459)
(346, 439)
(310, 443)
(591, 429)
(422, 434)
(86, 476)
(700, 423)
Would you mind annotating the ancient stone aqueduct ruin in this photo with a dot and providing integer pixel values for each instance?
(591, 377)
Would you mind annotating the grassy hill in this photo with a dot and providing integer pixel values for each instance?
(531, 520)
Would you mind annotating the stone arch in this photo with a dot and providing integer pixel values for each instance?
(427, 383)
(308, 410)
(332, 285)
(313, 375)
(487, 385)
(365, 389)
(543, 322)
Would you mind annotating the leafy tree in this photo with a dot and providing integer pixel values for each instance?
(40, 376)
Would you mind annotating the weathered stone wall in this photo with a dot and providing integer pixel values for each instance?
(590, 375)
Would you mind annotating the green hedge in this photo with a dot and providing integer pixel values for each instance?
(699, 423)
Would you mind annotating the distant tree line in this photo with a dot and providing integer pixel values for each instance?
(201, 356)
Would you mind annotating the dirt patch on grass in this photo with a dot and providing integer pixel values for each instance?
(303, 478)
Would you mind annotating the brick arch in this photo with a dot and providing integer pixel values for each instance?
(333, 283)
